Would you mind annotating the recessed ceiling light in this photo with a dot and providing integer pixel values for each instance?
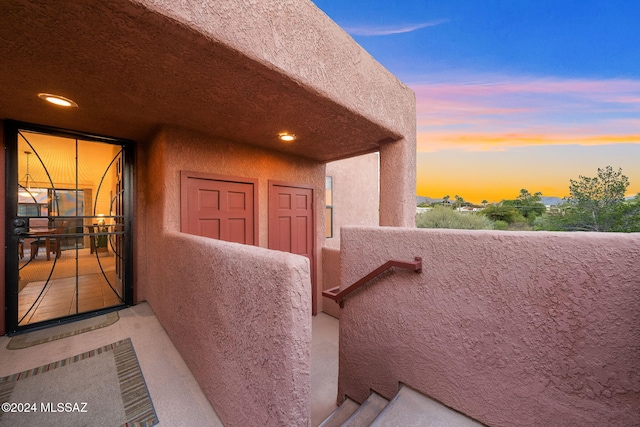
(57, 100)
(287, 137)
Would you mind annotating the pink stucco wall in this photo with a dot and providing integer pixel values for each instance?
(282, 33)
(348, 76)
(356, 193)
(510, 328)
(174, 149)
(356, 201)
(239, 315)
(398, 182)
(193, 151)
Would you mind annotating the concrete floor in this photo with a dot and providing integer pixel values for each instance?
(324, 367)
(176, 396)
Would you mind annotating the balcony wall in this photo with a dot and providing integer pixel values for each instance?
(239, 316)
(173, 150)
(510, 328)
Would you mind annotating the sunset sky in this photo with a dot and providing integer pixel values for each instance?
(510, 94)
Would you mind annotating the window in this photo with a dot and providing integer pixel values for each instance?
(33, 203)
(328, 213)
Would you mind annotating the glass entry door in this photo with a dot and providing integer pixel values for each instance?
(68, 234)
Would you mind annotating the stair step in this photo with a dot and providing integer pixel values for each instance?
(410, 408)
(367, 412)
(341, 414)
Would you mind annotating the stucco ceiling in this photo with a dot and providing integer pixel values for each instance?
(132, 70)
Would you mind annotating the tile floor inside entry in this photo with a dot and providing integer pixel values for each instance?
(48, 290)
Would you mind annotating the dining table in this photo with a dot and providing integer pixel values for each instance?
(42, 232)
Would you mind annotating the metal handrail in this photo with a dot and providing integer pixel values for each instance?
(339, 295)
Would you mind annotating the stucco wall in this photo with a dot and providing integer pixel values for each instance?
(398, 183)
(239, 315)
(356, 201)
(356, 194)
(510, 328)
(185, 150)
(173, 150)
(348, 75)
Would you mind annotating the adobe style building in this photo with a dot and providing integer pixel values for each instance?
(191, 102)
(169, 179)
(174, 132)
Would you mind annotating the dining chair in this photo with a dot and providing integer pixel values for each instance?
(54, 242)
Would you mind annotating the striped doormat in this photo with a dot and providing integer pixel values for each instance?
(101, 387)
(62, 331)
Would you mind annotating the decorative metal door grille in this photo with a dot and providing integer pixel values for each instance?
(69, 239)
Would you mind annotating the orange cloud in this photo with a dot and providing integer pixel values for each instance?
(500, 85)
(507, 112)
(429, 142)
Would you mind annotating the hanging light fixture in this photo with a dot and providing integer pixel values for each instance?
(26, 189)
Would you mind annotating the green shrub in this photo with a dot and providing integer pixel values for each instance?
(500, 225)
(442, 217)
(520, 226)
(503, 213)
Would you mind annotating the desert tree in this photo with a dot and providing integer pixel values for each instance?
(529, 205)
(595, 201)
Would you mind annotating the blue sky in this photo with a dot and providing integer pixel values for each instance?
(510, 94)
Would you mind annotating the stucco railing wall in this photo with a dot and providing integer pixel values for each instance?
(510, 328)
(240, 317)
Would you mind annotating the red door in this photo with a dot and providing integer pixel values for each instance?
(291, 223)
(220, 208)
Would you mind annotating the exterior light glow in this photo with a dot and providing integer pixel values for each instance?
(57, 100)
(287, 137)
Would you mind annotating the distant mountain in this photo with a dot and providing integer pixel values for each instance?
(423, 199)
(429, 200)
(551, 201)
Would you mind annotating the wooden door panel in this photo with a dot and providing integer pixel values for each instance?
(302, 234)
(284, 235)
(236, 230)
(284, 201)
(219, 208)
(302, 202)
(291, 225)
(236, 201)
(209, 228)
(207, 199)
(291, 220)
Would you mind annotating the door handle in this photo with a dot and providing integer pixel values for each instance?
(19, 222)
(20, 231)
